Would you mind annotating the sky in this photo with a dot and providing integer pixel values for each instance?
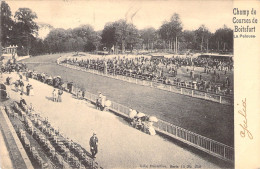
(149, 13)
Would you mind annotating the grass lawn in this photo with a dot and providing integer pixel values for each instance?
(209, 119)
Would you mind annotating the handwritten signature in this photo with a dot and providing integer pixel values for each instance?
(244, 126)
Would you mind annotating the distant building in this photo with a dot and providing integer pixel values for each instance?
(11, 50)
(9, 53)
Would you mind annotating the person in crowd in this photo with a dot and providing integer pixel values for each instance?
(30, 108)
(103, 100)
(8, 80)
(55, 95)
(20, 76)
(93, 143)
(22, 101)
(83, 94)
(99, 100)
(21, 85)
(28, 88)
(218, 76)
(31, 91)
(16, 85)
(97, 104)
(78, 93)
(219, 89)
(27, 76)
(70, 85)
(60, 92)
(138, 123)
(100, 95)
(227, 81)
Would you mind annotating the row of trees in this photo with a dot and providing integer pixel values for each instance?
(82, 38)
(118, 36)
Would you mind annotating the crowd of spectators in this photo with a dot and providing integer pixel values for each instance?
(13, 67)
(165, 70)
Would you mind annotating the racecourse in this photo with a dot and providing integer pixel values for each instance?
(120, 145)
(209, 119)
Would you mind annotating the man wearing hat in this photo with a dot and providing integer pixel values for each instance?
(28, 88)
(93, 142)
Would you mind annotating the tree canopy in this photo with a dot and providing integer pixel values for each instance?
(6, 24)
(22, 29)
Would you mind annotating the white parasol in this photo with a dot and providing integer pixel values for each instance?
(132, 113)
(108, 103)
(140, 114)
(153, 119)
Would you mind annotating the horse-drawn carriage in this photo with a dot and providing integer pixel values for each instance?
(142, 122)
(49, 80)
(42, 77)
(57, 82)
(35, 75)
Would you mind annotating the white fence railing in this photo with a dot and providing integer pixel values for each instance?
(205, 144)
(175, 88)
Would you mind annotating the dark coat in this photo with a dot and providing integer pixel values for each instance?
(93, 141)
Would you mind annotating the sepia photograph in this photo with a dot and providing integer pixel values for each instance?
(118, 84)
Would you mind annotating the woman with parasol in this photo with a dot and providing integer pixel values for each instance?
(132, 114)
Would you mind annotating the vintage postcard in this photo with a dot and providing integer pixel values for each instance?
(130, 84)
